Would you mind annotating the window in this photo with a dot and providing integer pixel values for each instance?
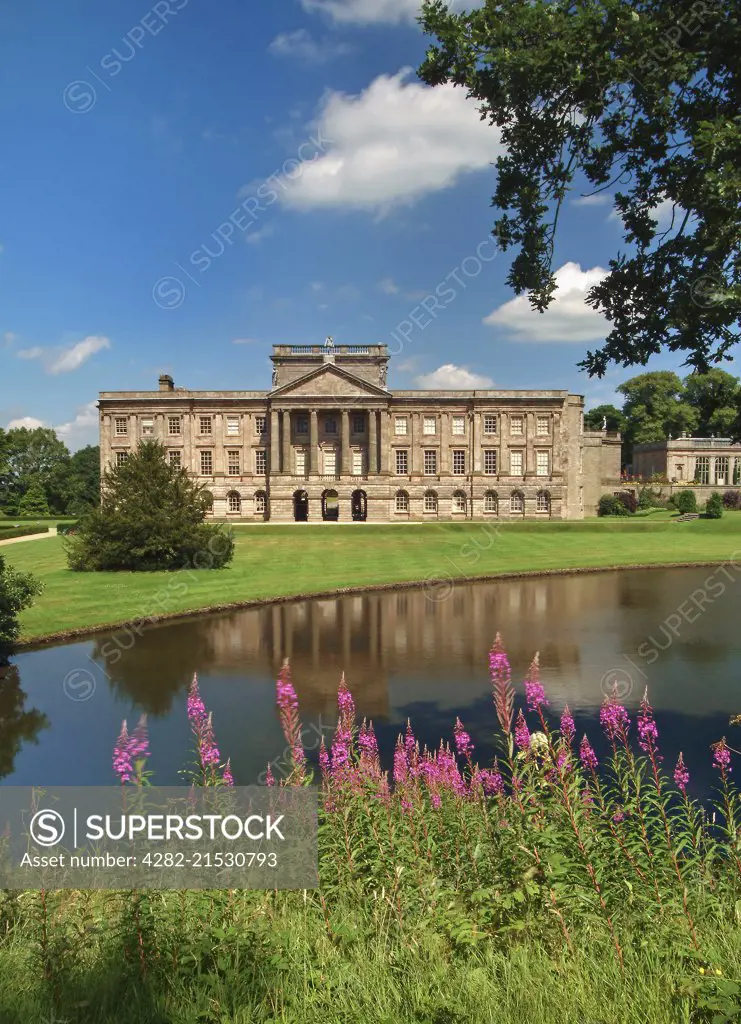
(401, 426)
(358, 463)
(517, 503)
(430, 462)
(402, 501)
(233, 502)
(207, 463)
(260, 462)
(543, 502)
(302, 424)
(121, 457)
(175, 457)
(122, 425)
(358, 424)
(147, 426)
(300, 461)
(330, 425)
(721, 470)
(459, 502)
(232, 426)
(205, 424)
(702, 469)
(543, 426)
(516, 425)
(429, 425)
(515, 463)
(459, 426)
(490, 424)
(233, 463)
(490, 462)
(737, 471)
(430, 502)
(330, 462)
(173, 426)
(261, 503)
(261, 424)
(491, 503)
(459, 461)
(542, 463)
(402, 462)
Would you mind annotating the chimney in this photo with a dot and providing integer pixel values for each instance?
(166, 382)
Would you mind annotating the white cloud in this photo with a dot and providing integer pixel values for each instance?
(73, 357)
(365, 12)
(388, 286)
(255, 237)
(392, 144)
(568, 318)
(595, 199)
(29, 422)
(30, 353)
(244, 341)
(453, 378)
(82, 430)
(302, 45)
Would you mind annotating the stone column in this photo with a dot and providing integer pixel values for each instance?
(712, 471)
(529, 466)
(385, 446)
(503, 445)
(476, 431)
(445, 467)
(372, 442)
(313, 438)
(274, 466)
(286, 417)
(345, 467)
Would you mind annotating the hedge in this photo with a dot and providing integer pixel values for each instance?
(19, 531)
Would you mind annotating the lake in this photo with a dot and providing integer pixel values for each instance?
(418, 654)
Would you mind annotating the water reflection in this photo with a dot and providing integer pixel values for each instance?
(18, 725)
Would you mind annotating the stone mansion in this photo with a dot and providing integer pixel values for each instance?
(330, 442)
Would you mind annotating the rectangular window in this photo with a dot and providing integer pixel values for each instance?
(174, 428)
(234, 502)
(543, 426)
(490, 502)
(515, 463)
(429, 425)
(233, 463)
(459, 426)
(330, 425)
(121, 457)
(330, 462)
(302, 424)
(260, 504)
(175, 457)
(358, 463)
(702, 469)
(205, 424)
(516, 426)
(300, 461)
(542, 463)
(430, 502)
(542, 502)
(261, 425)
(517, 503)
(402, 462)
(122, 425)
(260, 462)
(431, 462)
(147, 426)
(721, 470)
(490, 424)
(490, 462)
(358, 424)
(207, 463)
(232, 426)
(402, 502)
(459, 462)
(459, 502)
(400, 427)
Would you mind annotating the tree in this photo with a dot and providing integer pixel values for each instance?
(685, 501)
(655, 407)
(17, 591)
(18, 725)
(84, 481)
(33, 502)
(151, 516)
(714, 506)
(640, 98)
(594, 419)
(716, 396)
(32, 455)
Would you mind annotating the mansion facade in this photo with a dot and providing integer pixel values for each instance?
(330, 442)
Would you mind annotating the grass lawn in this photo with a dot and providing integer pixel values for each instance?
(280, 561)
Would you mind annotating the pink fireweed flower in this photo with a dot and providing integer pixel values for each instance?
(345, 704)
(122, 763)
(501, 681)
(522, 733)
(648, 734)
(401, 768)
(448, 773)
(411, 751)
(210, 756)
(287, 702)
(463, 742)
(563, 761)
(534, 692)
(227, 776)
(492, 781)
(196, 707)
(324, 760)
(722, 757)
(139, 742)
(269, 779)
(681, 775)
(614, 719)
(568, 728)
(587, 756)
(370, 764)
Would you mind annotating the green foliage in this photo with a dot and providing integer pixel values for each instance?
(33, 502)
(685, 501)
(20, 531)
(716, 396)
(646, 499)
(714, 506)
(17, 591)
(151, 517)
(732, 500)
(65, 529)
(595, 418)
(637, 102)
(654, 407)
(611, 505)
(32, 457)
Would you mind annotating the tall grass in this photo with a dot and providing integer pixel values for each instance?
(543, 886)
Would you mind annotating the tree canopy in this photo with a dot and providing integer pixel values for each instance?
(17, 591)
(36, 461)
(640, 99)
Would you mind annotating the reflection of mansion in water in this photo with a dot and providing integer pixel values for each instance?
(330, 441)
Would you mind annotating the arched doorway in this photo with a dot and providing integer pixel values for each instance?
(301, 506)
(330, 506)
(359, 506)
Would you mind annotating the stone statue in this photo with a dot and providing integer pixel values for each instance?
(275, 376)
(604, 423)
(384, 371)
(329, 343)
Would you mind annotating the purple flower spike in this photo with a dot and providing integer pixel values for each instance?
(587, 755)
(210, 756)
(648, 734)
(269, 779)
(568, 728)
(122, 763)
(501, 681)
(227, 775)
(534, 692)
(722, 757)
(463, 742)
(196, 707)
(139, 742)
(522, 733)
(681, 775)
(614, 719)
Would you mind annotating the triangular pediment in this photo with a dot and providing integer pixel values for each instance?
(329, 381)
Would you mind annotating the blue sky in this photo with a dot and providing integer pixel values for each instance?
(188, 183)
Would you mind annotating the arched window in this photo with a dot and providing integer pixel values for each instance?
(233, 503)
(543, 502)
(517, 503)
(430, 505)
(491, 503)
(261, 503)
(402, 502)
(459, 502)
(208, 501)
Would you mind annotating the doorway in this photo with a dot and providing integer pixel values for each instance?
(301, 507)
(359, 506)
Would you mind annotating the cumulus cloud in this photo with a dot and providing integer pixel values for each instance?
(595, 199)
(29, 422)
(392, 144)
(72, 358)
(301, 45)
(453, 378)
(30, 353)
(366, 12)
(82, 430)
(568, 318)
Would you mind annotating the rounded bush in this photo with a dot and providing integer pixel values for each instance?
(685, 501)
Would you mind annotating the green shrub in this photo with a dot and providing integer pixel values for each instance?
(17, 591)
(732, 500)
(685, 501)
(714, 506)
(67, 529)
(611, 505)
(19, 531)
(151, 517)
(33, 502)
